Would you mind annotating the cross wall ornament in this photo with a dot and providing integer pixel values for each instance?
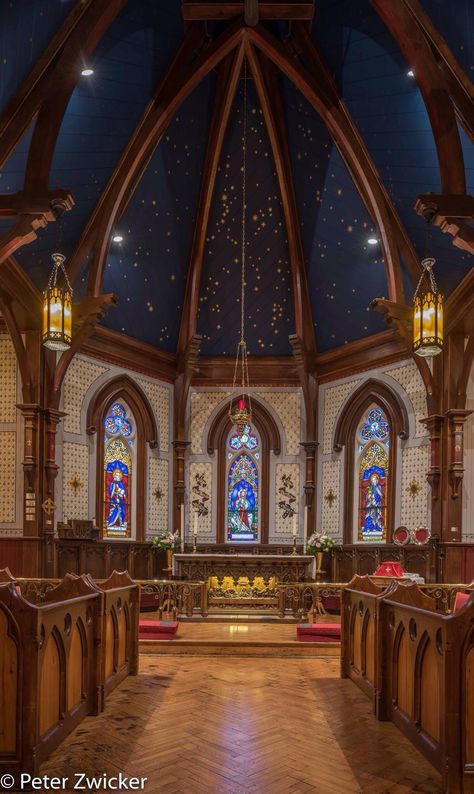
(330, 497)
(49, 506)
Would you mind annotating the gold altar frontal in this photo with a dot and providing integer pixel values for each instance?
(244, 582)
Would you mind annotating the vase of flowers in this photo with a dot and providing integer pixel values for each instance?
(318, 543)
(167, 541)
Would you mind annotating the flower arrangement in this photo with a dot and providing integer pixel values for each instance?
(319, 541)
(166, 540)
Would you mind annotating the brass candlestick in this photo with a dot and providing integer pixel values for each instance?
(294, 552)
(194, 544)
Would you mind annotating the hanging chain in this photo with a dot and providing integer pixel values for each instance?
(427, 265)
(244, 201)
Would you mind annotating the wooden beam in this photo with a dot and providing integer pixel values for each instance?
(268, 91)
(410, 38)
(116, 348)
(225, 92)
(59, 65)
(196, 10)
(392, 223)
(459, 86)
(263, 371)
(328, 106)
(361, 355)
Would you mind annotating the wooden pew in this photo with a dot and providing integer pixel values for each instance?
(48, 672)
(118, 652)
(428, 688)
(120, 619)
(361, 634)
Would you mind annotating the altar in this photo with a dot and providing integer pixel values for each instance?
(244, 583)
(276, 567)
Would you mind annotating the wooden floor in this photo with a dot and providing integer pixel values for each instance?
(239, 638)
(244, 726)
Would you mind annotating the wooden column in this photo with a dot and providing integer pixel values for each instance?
(434, 425)
(52, 417)
(310, 448)
(32, 502)
(455, 471)
(179, 459)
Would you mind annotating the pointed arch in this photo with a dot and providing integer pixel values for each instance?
(146, 432)
(123, 388)
(371, 392)
(270, 439)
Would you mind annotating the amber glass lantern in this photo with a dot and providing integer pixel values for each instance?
(427, 314)
(57, 308)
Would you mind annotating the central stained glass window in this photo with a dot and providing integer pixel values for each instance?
(243, 487)
(118, 456)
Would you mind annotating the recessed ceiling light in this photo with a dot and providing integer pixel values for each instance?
(372, 241)
(87, 72)
(411, 73)
(117, 238)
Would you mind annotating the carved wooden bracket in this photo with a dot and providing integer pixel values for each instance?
(452, 214)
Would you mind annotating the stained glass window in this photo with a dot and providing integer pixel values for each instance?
(243, 487)
(373, 465)
(118, 458)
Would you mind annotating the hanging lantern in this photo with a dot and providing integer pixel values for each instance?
(57, 308)
(427, 314)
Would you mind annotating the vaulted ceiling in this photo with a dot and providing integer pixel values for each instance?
(341, 141)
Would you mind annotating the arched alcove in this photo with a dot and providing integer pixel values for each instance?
(269, 438)
(372, 394)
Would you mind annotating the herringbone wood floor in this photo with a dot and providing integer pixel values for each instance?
(244, 726)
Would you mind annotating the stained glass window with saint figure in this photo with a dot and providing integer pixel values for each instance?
(118, 458)
(373, 463)
(243, 487)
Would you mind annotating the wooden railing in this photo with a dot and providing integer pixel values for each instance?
(175, 598)
(300, 600)
(59, 658)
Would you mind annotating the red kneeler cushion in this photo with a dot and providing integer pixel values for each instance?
(157, 629)
(460, 601)
(318, 632)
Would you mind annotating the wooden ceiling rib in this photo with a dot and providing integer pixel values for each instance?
(419, 55)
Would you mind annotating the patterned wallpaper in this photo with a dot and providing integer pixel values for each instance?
(414, 509)
(75, 467)
(202, 405)
(287, 405)
(287, 485)
(80, 375)
(7, 381)
(334, 399)
(409, 378)
(200, 487)
(331, 484)
(159, 397)
(8, 477)
(158, 484)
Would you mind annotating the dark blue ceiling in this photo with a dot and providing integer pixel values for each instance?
(268, 301)
(26, 27)
(147, 271)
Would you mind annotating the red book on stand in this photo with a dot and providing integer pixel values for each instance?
(390, 569)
